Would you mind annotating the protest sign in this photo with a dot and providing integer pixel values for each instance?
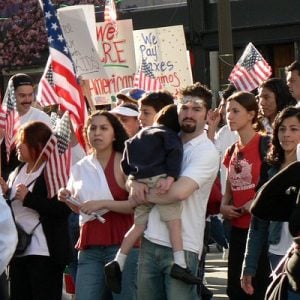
(79, 29)
(116, 52)
(164, 49)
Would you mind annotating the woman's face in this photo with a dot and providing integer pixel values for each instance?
(23, 152)
(289, 134)
(267, 103)
(146, 115)
(100, 133)
(237, 116)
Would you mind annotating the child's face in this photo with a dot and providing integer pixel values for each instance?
(146, 115)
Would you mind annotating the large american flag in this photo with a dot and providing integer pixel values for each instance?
(250, 71)
(145, 79)
(66, 86)
(46, 94)
(9, 118)
(58, 155)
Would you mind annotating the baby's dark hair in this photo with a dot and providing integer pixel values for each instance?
(168, 117)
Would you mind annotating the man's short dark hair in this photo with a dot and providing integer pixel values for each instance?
(157, 100)
(294, 66)
(198, 90)
(21, 79)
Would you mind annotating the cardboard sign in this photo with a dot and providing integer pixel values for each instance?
(116, 52)
(164, 49)
(79, 29)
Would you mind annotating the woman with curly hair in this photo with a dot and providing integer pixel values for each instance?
(282, 153)
(273, 97)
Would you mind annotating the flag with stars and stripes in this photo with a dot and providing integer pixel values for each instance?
(64, 78)
(145, 79)
(46, 94)
(110, 13)
(58, 155)
(9, 118)
(250, 71)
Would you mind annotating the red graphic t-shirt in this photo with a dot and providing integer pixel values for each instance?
(243, 173)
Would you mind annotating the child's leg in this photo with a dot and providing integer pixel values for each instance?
(174, 227)
(141, 215)
(130, 238)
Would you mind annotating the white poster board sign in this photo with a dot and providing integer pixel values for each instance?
(79, 29)
(116, 52)
(164, 49)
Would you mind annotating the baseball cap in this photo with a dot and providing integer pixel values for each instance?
(131, 94)
(21, 79)
(126, 109)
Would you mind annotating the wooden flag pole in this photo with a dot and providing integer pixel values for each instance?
(87, 94)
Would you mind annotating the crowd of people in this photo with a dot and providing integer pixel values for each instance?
(142, 190)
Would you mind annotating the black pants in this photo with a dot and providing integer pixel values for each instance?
(237, 245)
(35, 277)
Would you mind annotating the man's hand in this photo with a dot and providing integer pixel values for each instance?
(164, 184)
(138, 192)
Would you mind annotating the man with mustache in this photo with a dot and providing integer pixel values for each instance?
(23, 88)
(198, 172)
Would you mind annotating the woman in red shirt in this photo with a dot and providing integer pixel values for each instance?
(243, 174)
(98, 183)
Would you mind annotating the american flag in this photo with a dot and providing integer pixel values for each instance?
(2, 116)
(110, 14)
(58, 154)
(250, 71)
(9, 118)
(144, 78)
(66, 86)
(46, 94)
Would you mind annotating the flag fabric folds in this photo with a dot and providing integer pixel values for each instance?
(145, 79)
(46, 94)
(65, 83)
(110, 13)
(250, 71)
(9, 118)
(58, 155)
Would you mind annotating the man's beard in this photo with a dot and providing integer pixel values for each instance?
(188, 128)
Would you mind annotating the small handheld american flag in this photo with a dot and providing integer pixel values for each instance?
(58, 154)
(145, 79)
(9, 118)
(250, 71)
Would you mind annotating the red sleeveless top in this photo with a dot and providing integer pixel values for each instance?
(95, 233)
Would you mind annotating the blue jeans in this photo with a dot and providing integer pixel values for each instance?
(154, 280)
(274, 260)
(90, 280)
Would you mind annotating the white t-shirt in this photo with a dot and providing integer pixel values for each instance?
(285, 242)
(35, 114)
(200, 163)
(28, 217)
(224, 138)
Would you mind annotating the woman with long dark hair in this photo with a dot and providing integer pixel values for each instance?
(273, 97)
(98, 184)
(286, 137)
(37, 273)
(244, 164)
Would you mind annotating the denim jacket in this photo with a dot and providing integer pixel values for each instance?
(260, 234)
